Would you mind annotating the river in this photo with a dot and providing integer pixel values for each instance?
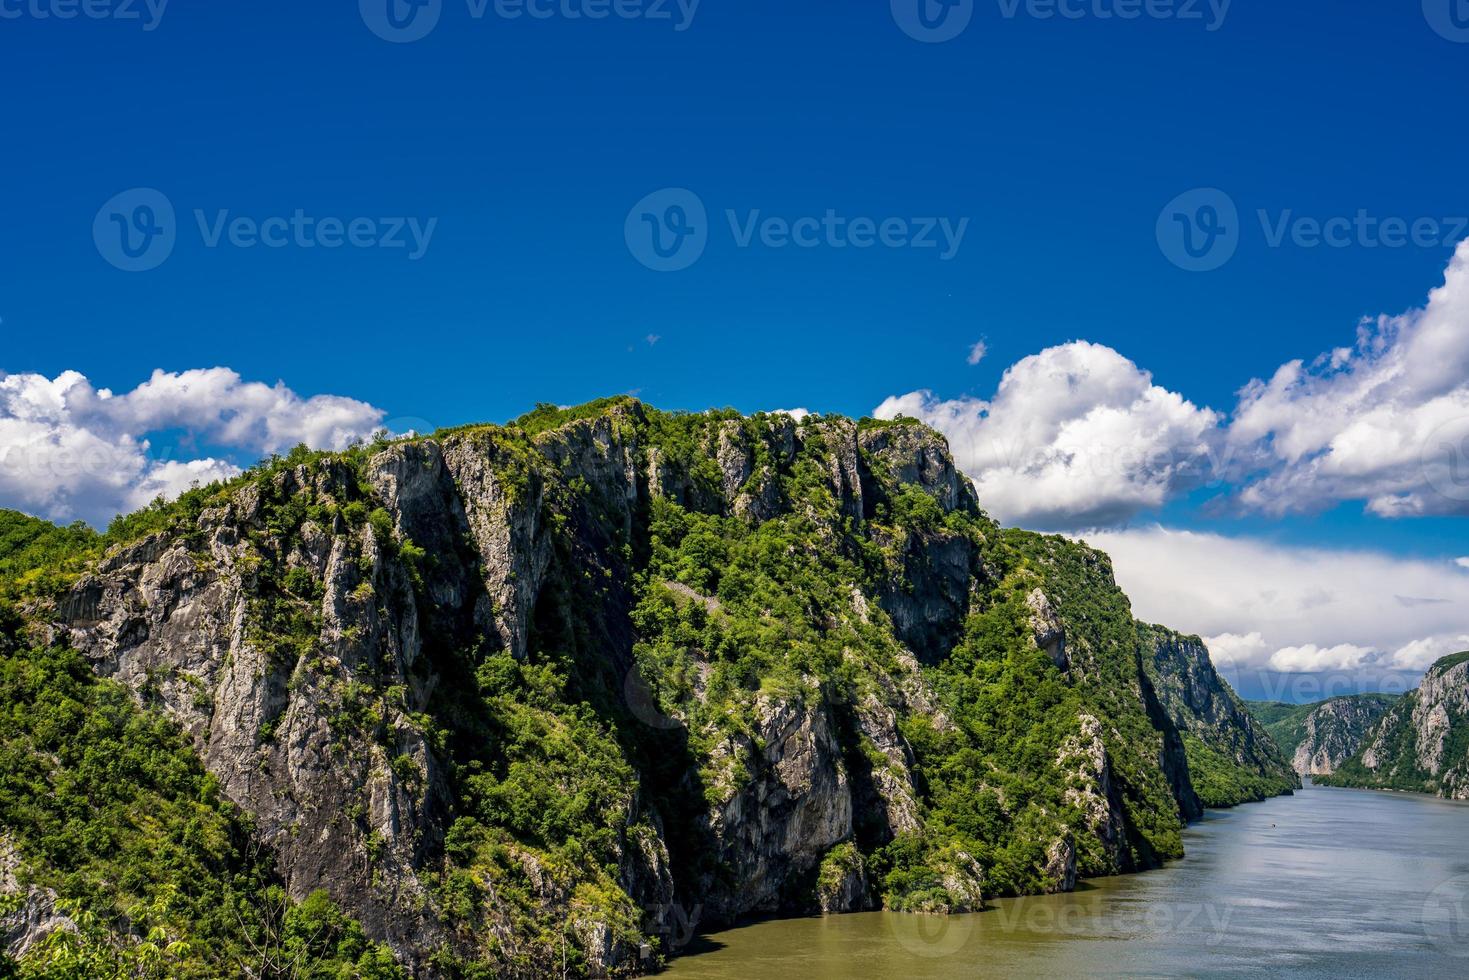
(1326, 883)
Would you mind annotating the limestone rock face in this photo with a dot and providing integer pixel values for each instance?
(778, 824)
(1333, 732)
(313, 631)
(35, 918)
(1419, 743)
(1093, 793)
(1048, 632)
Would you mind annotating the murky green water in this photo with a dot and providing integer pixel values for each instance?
(1328, 883)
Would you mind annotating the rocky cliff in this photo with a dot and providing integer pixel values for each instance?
(546, 696)
(1231, 756)
(1320, 737)
(1421, 743)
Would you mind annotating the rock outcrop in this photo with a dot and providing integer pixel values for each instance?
(444, 681)
(1232, 758)
(1319, 737)
(1421, 742)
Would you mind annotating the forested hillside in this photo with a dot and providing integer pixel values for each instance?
(516, 700)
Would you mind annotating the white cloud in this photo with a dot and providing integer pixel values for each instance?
(1234, 648)
(1312, 659)
(69, 450)
(1075, 436)
(1264, 606)
(795, 413)
(1386, 421)
(977, 352)
(1080, 436)
(1421, 654)
(1462, 562)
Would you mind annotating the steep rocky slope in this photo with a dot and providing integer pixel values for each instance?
(1231, 756)
(539, 697)
(1320, 737)
(1421, 743)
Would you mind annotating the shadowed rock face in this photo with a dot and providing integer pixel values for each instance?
(1213, 720)
(311, 633)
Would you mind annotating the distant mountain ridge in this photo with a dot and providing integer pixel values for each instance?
(1319, 737)
(1421, 744)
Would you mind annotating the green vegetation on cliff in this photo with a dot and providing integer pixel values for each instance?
(1231, 756)
(1421, 744)
(106, 805)
(545, 682)
(1286, 723)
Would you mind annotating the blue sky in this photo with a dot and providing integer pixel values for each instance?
(523, 144)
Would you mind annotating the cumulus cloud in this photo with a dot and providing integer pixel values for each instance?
(977, 352)
(1075, 436)
(1079, 436)
(69, 450)
(1462, 562)
(796, 413)
(1421, 654)
(1266, 607)
(1312, 658)
(1385, 421)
